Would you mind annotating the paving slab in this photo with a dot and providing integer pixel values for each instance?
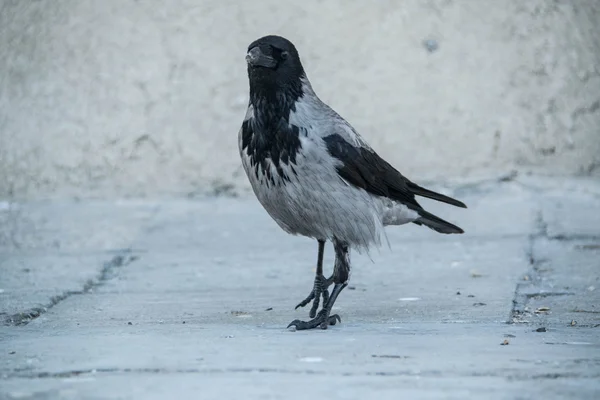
(50, 250)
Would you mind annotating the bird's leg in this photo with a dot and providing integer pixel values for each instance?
(341, 273)
(320, 286)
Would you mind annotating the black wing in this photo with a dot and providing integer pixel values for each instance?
(364, 168)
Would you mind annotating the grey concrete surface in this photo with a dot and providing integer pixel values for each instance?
(131, 98)
(189, 298)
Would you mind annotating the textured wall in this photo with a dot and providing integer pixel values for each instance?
(123, 97)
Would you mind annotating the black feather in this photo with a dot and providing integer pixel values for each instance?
(264, 139)
(436, 223)
(362, 167)
(421, 191)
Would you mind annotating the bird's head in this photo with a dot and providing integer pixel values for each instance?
(273, 65)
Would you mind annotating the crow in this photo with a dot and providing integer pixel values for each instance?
(316, 176)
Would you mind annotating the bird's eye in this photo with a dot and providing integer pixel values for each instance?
(284, 55)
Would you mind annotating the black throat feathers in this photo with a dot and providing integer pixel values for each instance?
(268, 137)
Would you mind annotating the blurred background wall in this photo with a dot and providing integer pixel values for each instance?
(145, 97)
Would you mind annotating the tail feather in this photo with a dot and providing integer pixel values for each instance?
(420, 191)
(436, 223)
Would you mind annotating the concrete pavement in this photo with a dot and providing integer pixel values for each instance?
(189, 298)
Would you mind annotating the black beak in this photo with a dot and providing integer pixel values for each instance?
(257, 58)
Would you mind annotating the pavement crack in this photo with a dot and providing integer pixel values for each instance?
(526, 288)
(532, 285)
(586, 311)
(107, 272)
(541, 295)
(586, 110)
(510, 374)
(573, 238)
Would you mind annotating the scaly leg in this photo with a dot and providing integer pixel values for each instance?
(320, 286)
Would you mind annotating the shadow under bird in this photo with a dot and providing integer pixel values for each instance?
(316, 176)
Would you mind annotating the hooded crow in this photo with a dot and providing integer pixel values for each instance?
(316, 176)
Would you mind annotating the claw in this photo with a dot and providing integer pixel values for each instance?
(320, 321)
(306, 300)
(332, 320)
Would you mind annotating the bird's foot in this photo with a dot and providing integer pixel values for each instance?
(319, 290)
(323, 320)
